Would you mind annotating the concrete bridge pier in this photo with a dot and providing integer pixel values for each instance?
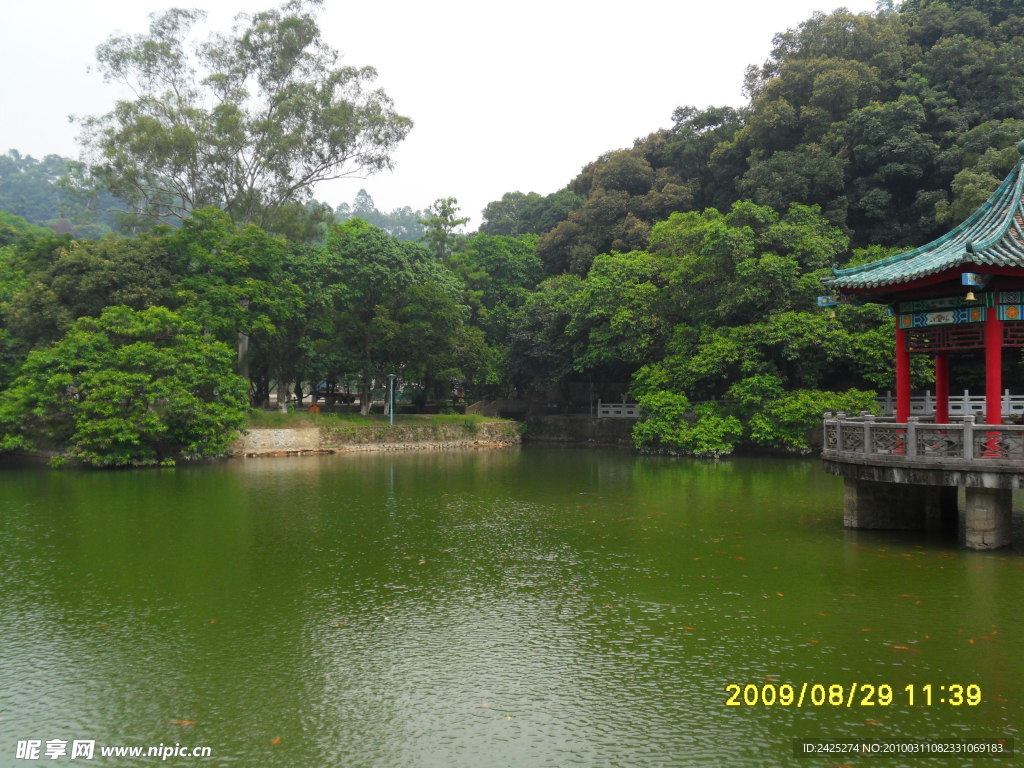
(987, 516)
(895, 506)
(883, 506)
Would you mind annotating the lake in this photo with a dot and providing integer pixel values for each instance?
(531, 606)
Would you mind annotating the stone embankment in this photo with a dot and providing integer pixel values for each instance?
(336, 439)
(580, 429)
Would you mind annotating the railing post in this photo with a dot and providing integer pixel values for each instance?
(968, 442)
(910, 444)
(869, 422)
(840, 418)
(929, 405)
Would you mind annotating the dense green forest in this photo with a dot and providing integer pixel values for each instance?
(682, 270)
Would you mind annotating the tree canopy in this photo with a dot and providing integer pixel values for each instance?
(247, 121)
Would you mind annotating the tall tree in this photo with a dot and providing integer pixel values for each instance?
(248, 121)
(441, 224)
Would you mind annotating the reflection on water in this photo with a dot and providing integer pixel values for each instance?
(521, 607)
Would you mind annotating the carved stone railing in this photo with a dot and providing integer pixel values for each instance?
(866, 438)
(618, 410)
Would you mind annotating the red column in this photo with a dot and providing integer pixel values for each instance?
(993, 368)
(902, 377)
(942, 388)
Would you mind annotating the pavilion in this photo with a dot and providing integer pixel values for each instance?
(961, 292)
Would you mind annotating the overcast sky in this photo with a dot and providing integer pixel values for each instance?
(504, 96)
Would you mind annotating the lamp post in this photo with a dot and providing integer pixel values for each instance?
(391, 408)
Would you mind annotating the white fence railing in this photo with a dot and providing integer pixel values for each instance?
(617, 410)
(959, 405)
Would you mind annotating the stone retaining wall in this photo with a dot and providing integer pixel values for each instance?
(580, 429)
(358, 437)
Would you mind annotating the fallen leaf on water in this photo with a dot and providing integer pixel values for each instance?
(780, 594)
(739, 557)
(508, 717)
(183, 722)
(865, 629)
(690, 629)
(812, 640)
(904, 648)
(213, 621)
(486, 704)
(872, 722)
(340, 623)
(275, 741)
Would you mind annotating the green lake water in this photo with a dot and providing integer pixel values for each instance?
(508, 607)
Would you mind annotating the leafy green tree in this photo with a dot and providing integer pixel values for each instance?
(540, 351)
(84, 277)
(440, 224)
(248, 121)
(232, 281)
(127, 388)
(786, 420)
(497, 270)
(367, 272)
(671, 424)
(621, 315)
(509, 216)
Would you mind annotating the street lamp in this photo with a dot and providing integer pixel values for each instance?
(391, 386)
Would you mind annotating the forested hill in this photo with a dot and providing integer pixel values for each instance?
(897, 124)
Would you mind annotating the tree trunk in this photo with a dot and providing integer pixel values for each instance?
(282, 396)
(243, 345)
(364, 396)
(243, 355)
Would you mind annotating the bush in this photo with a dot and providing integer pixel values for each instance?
(787, 420)
(127, 388)
(671, 424)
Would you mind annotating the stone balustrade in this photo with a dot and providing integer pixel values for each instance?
(921, 441)
(907, 475)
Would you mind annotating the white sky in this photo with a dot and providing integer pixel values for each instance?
(504, 96)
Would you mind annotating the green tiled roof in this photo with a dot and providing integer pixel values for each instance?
(993, 235)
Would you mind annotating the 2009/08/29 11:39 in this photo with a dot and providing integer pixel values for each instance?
(851, 695)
